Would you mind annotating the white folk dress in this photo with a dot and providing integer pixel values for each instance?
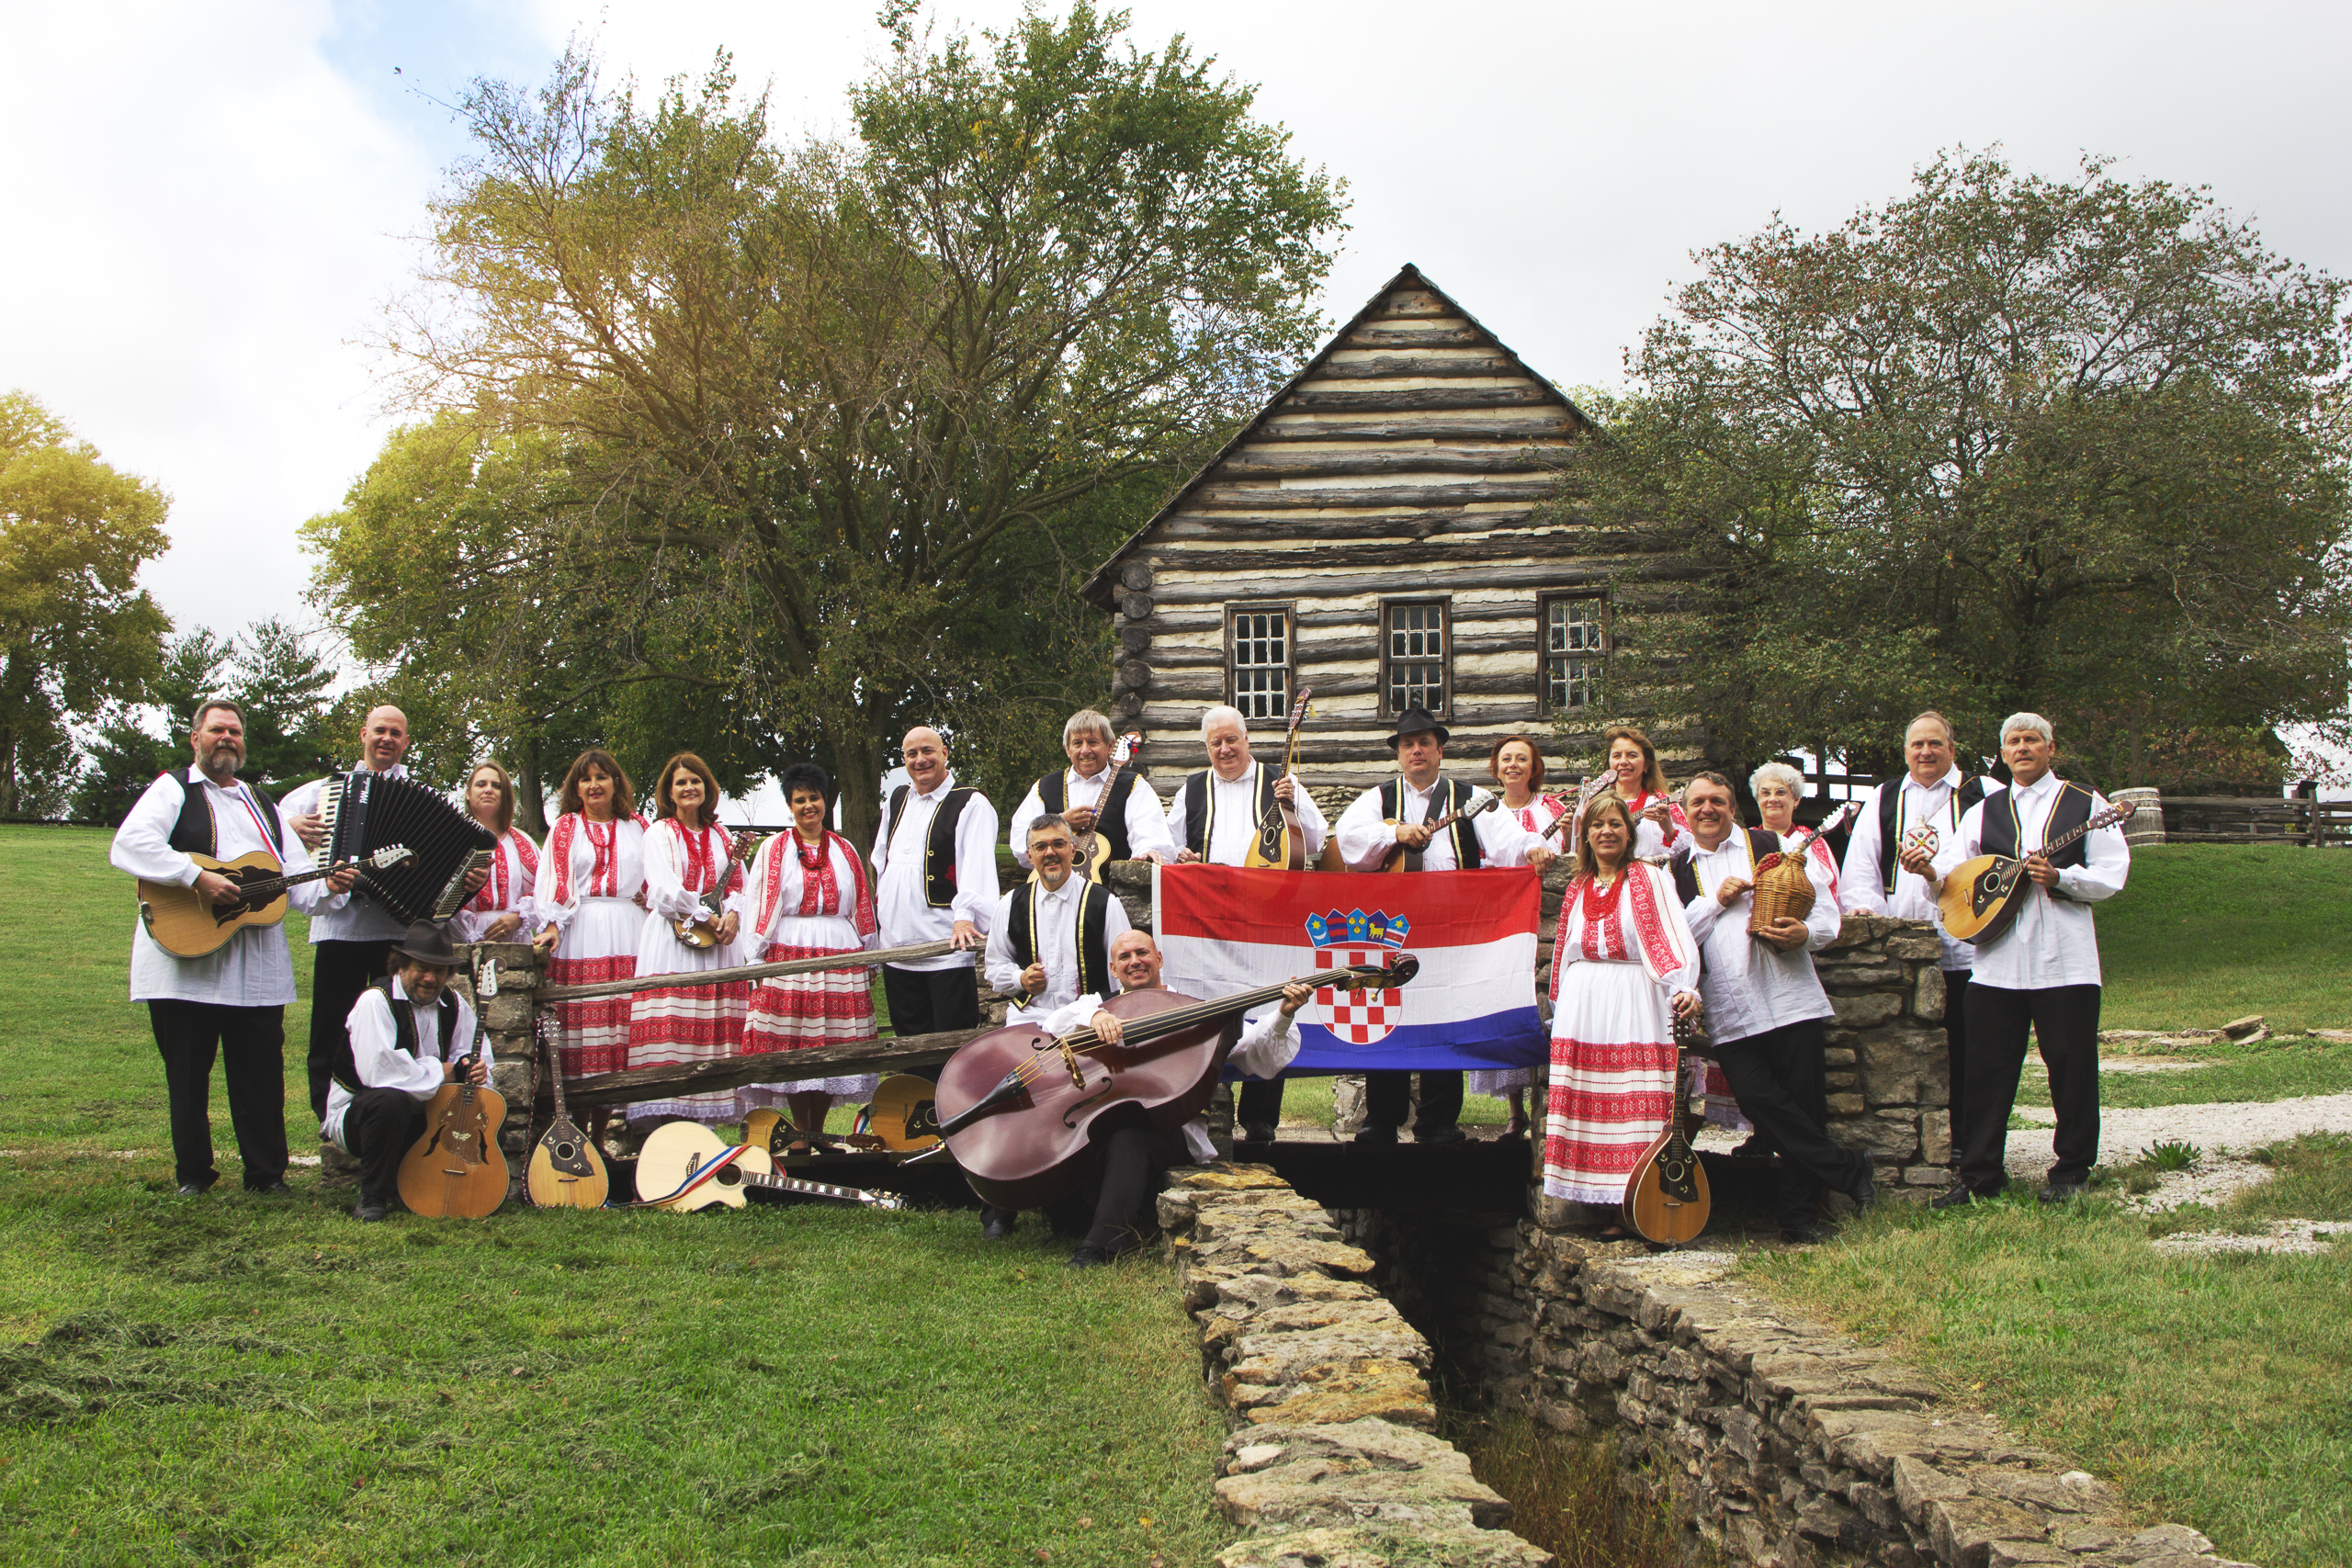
(807, 907)
(513, 874)
(1618, 957)
(1534, 818)
(591, 890)
(675, 1024)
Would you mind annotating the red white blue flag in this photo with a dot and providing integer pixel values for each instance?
(1224, 929)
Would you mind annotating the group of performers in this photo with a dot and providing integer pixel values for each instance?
(1654, 921)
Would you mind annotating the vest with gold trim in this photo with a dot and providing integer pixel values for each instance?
(1761, 842)
(1451, 795)
(1094, 920)
(1110, 810)
(345, 1069)
(939, 845)
(2069, 812)
(1198, 805)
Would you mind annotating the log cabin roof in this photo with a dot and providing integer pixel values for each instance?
(1468, 353)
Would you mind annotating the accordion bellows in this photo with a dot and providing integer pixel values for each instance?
(364, 812)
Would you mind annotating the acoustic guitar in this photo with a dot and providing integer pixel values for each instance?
(457, 1169)
(187, 924)
(566, 1170)
(1281, 843)
(1091, 850)
(1981, 897)
(684, 1166)
(699, 930)
(1399, 858)
(1667, 1203)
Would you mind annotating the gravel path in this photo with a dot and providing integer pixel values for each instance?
(2214, 1129)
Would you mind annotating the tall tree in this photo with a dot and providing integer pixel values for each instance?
(123, 755)
(841, 417)
(77, 634)
(2007, 443)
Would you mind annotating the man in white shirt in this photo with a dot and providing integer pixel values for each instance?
(1213, 817)
(1133, 1153)
(409, 1035)
(351, 940)
(1094, 797)
(935, 879)
(1049, 941)
(2042, 971)
(231, 1001)
(1890, 865)
(1764, 1004)
(1402, 813)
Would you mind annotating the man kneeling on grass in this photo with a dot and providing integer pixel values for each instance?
(1134, 1153)
(407, 1032)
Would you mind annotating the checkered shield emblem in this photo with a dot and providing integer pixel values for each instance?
(1362, 1017)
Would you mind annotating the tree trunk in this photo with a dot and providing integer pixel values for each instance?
(529, 791)
(857, 773)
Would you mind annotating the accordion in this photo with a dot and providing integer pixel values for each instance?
(364, 812)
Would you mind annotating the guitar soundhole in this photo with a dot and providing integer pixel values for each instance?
(729, 1177)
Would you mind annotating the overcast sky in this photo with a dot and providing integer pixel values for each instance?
(206, 206)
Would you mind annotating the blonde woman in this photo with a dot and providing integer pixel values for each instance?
(502, 908)
(1659, 825)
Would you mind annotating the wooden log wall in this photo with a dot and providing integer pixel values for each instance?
(1416, 457)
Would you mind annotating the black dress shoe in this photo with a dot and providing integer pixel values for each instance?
(2061, 1192)
(1800, 1236)
(1956, 1196)
(1088, 1257)
(1861, 1188)
(997, 1223)
(195, 1189)
(275, 1190)
(1375, 1135)
(1257, 1135)
(1441, 1137)
(368, 1214)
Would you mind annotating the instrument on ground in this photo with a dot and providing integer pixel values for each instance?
(186, 923)
(457, 1169)
(1667, 1202)
(1983, 896)
(700, 929)
(685, 1165)
(1014, 1105)
(1281, 842)
(566, 1168)
(363, 811)
(1399, 858)
(904, 1112)
(1091, 850)
(1784, 886)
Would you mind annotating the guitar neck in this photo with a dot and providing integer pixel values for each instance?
(271, 887)
(810, 1188)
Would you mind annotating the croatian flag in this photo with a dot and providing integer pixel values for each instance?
(1224, 929)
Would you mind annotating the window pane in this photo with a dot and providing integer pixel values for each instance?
(1416, 660)
(1262, 663)
(1572, 653)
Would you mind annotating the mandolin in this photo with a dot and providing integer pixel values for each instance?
(700, 929)
(187, 924)
(1014, 1105)
(1091, 850)
(1667, 1202)
(1399, 858)
(1281, 843)
(1981, 897)
(904, 1112)
(684, 1166)
(566, 1170)
(457, 1169)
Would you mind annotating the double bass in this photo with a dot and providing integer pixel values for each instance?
(1281, 843)
(1014, 1106)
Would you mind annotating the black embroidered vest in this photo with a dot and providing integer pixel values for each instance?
(1890, 824)
(2071, 811)
(346, 1069)
(1452, 794)
(1761, 842)
(197, 834)
(1093, 945)
(939, 848)
(1110, 811)
(1196, 807)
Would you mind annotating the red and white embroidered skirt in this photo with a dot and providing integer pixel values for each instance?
(800, 1012)
(1612, 1080)
(685, 1023)
(599, 943)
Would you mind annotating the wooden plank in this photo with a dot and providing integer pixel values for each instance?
(1331, 686)
(1194, 541)
(685, 978)
(1371, 335)
(1551, 427)
(737, 1072)
(1491, 577)
(1389, 497)
(1397, 366)
(1409, 304)
(1447, 555)
(1409, 400)
(1284, 463)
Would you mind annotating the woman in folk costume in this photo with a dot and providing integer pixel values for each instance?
(810, 898)
(688, 854)
(1517, 767)
(1624, 964)
(502, 908)
(1778, 787)
(1658, 827)
(590, 904)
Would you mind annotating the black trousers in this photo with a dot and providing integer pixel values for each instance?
(1259, 1103)
(1782, 1084)
(1130, 1158)
(1388, 1096)
(2064, 1020)
(250, 1043)
(1956, 1051)
(380, 1127)
(339, 972)
(924, 1001)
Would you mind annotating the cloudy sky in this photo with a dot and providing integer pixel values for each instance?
(207, 206)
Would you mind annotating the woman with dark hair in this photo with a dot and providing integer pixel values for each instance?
(810, 898)
(687, 855)
(1517, 765)
(590, 904)
(1623, 965)
(502, 908)
(1641, 785)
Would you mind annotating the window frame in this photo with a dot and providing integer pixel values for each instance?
(1288, 610)
(1443, 604)
(1544, 654)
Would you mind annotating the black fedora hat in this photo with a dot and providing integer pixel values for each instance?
(425, 942)
(1416, 721)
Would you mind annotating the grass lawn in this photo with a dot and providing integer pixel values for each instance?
(2204, 933)
(2232, 1075)
(245, 1381)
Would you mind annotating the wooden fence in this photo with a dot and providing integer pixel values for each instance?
(2238, 819)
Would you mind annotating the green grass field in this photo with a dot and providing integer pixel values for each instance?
(245, 1381)
(2204, 933)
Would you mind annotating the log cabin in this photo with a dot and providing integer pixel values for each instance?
(1391, 531)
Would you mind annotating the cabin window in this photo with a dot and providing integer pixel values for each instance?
(1257, 668)
(1416, 656)
(1572, 638)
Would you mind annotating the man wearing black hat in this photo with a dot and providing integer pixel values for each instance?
(1401, 812)
(408, 1032)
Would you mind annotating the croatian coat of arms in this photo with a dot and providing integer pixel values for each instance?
(1342, 941)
